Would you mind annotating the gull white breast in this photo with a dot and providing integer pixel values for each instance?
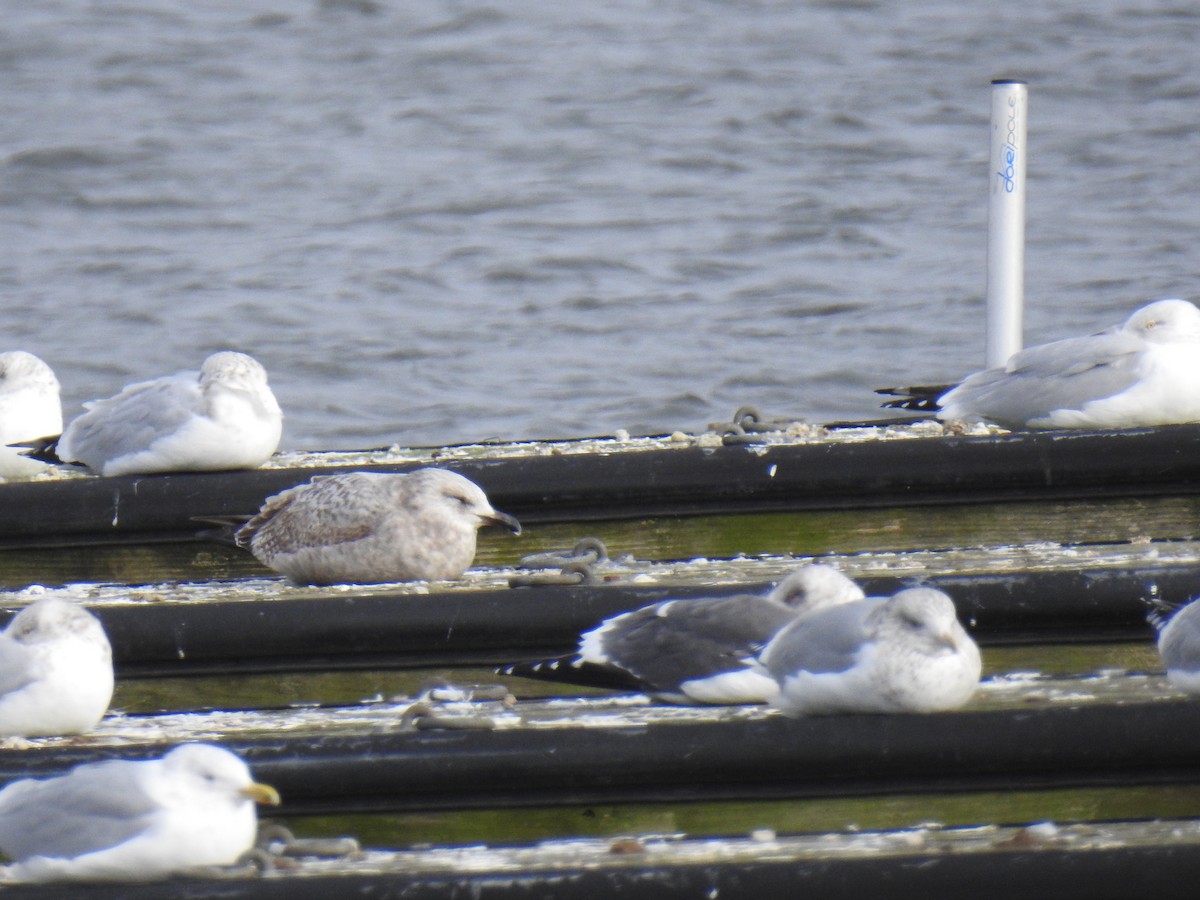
(56, 671)
(906, 653)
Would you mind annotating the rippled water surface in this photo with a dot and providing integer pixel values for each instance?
(448, 221)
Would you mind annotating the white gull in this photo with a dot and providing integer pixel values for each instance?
(132, 820)
(56, 671)
(30, 408)
(1179, 647)
(222, 417)
(1144, 372)
(906, 653)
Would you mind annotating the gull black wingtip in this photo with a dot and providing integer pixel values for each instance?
(573, 670)
(920, 397)
(43, 449)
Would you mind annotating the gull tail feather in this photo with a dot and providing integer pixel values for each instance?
(224, 528)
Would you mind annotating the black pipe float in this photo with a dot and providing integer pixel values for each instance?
(491, 627)
(1163, 873)
(575, 487)
(762, 757)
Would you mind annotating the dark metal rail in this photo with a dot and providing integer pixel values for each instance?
(493, 627)
(573, 487)
(673, 760)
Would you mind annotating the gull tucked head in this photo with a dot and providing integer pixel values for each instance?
(233, 368)
(239, 373)
(50, 619)
(815, 586)
(19, 370)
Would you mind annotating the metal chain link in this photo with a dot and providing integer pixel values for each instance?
(574, 567)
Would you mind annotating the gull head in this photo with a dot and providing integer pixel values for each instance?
(213, 773)
(815, 586)
(1164, 321)
(234, 376)
(233, 370)
(19, 370)
(923, 619)
(458, 498)
(51, 619)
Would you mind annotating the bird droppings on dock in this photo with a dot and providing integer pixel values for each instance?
(925, 843)
(614, 711)
(807, 434)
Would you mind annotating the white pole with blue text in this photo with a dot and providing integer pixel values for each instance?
(1006, 221)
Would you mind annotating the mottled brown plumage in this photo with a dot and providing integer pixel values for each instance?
(372, 527)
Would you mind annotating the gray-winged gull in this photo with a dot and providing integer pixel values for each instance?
(372, 527)
(695, 651)
(220, 418)
(906, 653)
(127, 820)
(56, 671)
(1144, 372)
(30, 408)
(1179, 647)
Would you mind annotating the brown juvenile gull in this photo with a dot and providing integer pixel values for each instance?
(222, 417)
(906, 653)
(56, 671)
(132, 820)
(372, 527)
(695, 651)
(1144, 372)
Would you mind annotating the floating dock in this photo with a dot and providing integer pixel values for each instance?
(1052, 545)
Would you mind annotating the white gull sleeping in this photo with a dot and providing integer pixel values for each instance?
(1144, 372)
(906, 653)
(372, 527)
(1179, 646)
(30, 408)
(222, 417)
(56, 671)
(132, 820)
(695, 651)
